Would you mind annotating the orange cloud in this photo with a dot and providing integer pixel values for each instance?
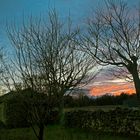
(113, 88)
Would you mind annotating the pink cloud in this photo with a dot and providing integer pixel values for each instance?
(113, 88)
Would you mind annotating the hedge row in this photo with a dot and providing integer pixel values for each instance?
(123, 121)
(15, 112)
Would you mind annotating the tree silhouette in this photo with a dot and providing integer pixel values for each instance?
(113, 39)
(46, 60)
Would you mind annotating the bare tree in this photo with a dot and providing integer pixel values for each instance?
(114, 39)
(45, 59)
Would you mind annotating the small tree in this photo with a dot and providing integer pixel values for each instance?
(46, 60)
(113, 39)
(39, 109)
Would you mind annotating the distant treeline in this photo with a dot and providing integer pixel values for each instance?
(107, 99)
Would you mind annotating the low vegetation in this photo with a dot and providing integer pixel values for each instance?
(121, 121)
(56, 132)
(81, 123)
(105, 100)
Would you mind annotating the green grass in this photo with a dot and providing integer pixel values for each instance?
(94, 108)
(56, 132)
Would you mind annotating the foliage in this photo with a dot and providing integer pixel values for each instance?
(15, 112)
(27, 108)
(2, 125)
(1, 112)
(131, 102)
(99, 101)
(124, 121)
(113, 100)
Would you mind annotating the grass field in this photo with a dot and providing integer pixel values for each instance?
(56, 132)
(94, 108)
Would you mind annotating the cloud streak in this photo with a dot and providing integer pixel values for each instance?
(112, 88)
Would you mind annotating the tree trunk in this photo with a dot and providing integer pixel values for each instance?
(61, 111)
(136, 84)
(133, 69)
(136, 80)
(41, 132)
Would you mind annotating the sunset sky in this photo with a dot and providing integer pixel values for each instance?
(79, 10)
(114, 88)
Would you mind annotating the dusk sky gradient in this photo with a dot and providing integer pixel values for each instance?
(14, 10)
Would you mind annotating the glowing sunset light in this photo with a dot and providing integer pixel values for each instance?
(112, 88)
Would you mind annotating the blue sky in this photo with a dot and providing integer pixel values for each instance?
(15, 9)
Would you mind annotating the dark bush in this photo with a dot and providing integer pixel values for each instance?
(15, 112)
(124, 121)
(53, 118)
(106, 99)
(132, 102)
(21, 107)
(2, 125)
